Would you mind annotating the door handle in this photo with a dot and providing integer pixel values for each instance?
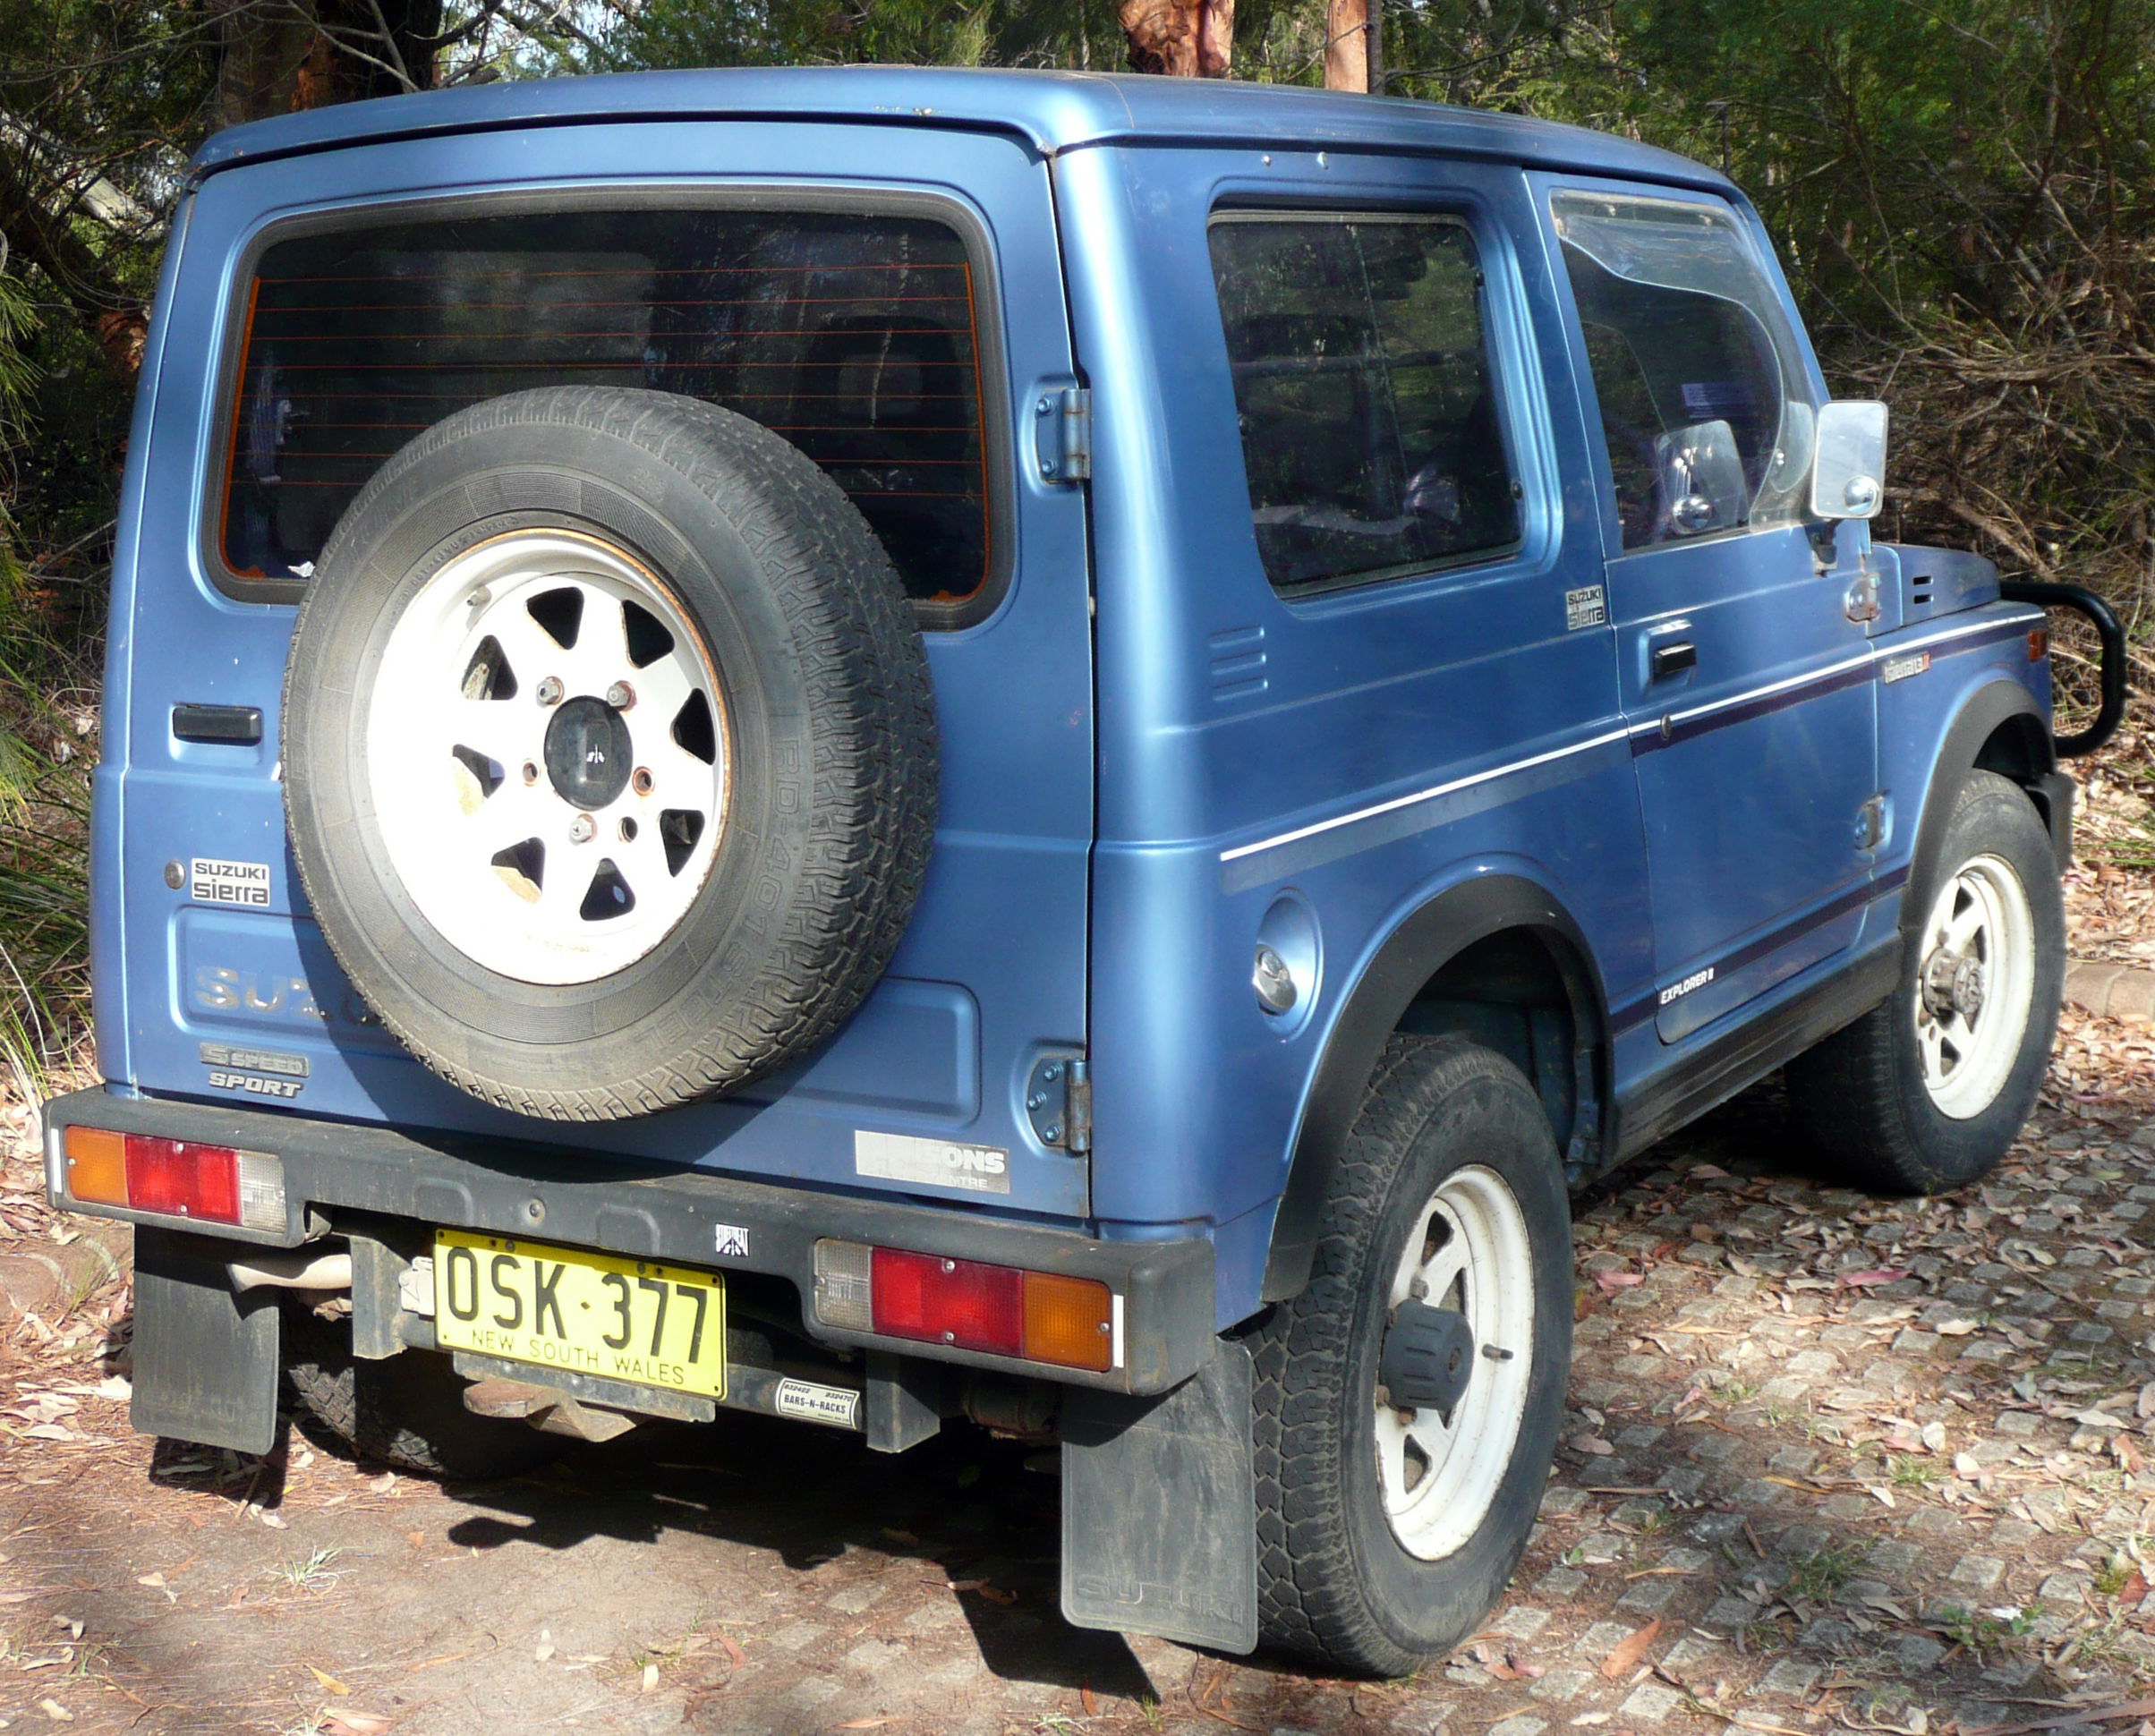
(1666, 660)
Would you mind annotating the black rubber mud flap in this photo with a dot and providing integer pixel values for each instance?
(1160, 1509)
(205, 1359)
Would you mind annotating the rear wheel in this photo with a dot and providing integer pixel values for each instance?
(1408, 1400)
(1926, 1092)
(406, 1411)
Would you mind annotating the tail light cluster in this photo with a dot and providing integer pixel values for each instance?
(174, 1177)
(1005, 1311)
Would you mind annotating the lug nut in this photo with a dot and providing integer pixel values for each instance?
(620, 696)
(550, 692)
(531, 771)
(583, 828)
(640, 780)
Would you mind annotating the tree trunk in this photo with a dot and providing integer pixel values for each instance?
(115, 318)
(1184, 38)
(260, 48)
(1347, 44)
(368, 50)
(278, 55)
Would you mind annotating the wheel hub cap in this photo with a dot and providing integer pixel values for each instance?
(1428, 1357)
(588, 754)
(547, 752)
(1459, 1345)
(1953, 986)
(1976, 989)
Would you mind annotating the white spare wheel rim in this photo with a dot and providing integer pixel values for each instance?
(547, 757)
(1976, 986)
(1439, 1469)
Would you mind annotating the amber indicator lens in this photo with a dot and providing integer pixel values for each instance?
(2038, 645)
(97, 1165)
(1069, 1321)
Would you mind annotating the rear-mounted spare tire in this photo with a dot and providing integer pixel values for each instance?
(608, 751)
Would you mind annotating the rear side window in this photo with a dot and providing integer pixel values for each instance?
(1370, 433)
(853, 335)
(1704, 401)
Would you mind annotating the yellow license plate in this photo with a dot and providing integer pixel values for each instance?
(591, 1313)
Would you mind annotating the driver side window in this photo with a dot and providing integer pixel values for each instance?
(1704, 403)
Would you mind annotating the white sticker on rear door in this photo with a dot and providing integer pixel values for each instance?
(212, 881)
(932, 1163)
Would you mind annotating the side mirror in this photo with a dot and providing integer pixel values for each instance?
(1848, 478)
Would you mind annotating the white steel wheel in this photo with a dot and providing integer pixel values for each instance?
(547, 757)
(1975, 987)
(1439, 1469)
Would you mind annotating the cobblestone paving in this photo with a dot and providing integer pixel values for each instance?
(1832, 1462)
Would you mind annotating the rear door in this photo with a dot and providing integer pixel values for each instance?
(888, 321)
(1746, 686)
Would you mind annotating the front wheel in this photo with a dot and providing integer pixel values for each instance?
(1926, 1092)
(1409, 1400)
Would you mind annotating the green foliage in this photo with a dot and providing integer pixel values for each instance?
(16, 376)
(44, 919)
(1070, 34)
(1819, 1575)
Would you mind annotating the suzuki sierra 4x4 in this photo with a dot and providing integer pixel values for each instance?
(877, 745)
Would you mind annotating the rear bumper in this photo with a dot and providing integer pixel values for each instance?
(335, 1171)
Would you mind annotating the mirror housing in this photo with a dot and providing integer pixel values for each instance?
(1848, 476)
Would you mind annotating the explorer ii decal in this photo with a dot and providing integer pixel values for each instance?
(1696, 980)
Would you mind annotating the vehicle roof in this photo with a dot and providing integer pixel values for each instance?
(1052, 111)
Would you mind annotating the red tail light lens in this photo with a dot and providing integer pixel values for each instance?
(187, 1181)
(960, 1302)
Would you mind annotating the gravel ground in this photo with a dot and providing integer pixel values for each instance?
(1834, 1462)
(2110, 900)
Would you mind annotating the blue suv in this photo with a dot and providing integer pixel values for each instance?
(880, 746)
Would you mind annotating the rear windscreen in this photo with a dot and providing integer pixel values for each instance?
(853, 335)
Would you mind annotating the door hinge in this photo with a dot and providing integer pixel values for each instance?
(1062, 432)
(1058, 1102)
(1871, 823)
(1863, 600)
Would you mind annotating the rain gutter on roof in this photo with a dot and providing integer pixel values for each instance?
(1063, 116)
